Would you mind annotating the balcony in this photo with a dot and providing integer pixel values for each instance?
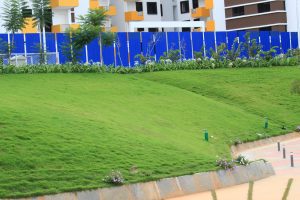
(210, 26)
(64, 4)
(209, 4)
(60, 28)
(200, 12)
(29, 28)
(110, 10)
(134, 16)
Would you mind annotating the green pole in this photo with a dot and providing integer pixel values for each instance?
(206, 135)
(266, 123)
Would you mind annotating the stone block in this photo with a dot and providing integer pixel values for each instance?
(88, 195)
(168, 188)
(116, 193)
(144, 191)
(187, 184)
(203, 181)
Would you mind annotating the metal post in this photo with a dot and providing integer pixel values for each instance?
(266, 122)
(206, 135)
(56, 49)
(25, 49)
(283, 152)
(292, 159)
(86, 54)
(298, 21)
(278, 146)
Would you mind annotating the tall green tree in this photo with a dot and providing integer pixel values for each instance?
(13, 16)
(91, 27)
(42, 17)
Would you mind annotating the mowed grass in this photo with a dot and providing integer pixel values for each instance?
(65, 132)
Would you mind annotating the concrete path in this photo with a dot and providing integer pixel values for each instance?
(267, 189)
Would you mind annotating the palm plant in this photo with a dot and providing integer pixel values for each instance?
(91, 27)
(42, 16)
(14, 20)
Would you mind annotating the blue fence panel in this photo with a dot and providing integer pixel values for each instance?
(209, 38)
(285, 41)
(242, 39)
(161, 44)
(265, 40)
(186, 45)
(32, 42)
(275, 41)
(221, 38)
(134, 46)
(254, 36)
(147, 43)
(197, 41)
(294, 39)
(50, 42)
(173, 40)
(94, 51)
(108, 55)
(62, 39)
(232, 35)
(122, 50)
(18, 43)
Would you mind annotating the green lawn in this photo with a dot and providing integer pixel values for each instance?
(65, 132)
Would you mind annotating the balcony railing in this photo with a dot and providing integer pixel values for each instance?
(134, 16)
(64, 3)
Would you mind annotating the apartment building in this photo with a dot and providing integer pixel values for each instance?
(122, 13)
(179, 11)
(262, 15)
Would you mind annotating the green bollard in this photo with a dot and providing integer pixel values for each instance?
(206, 135)
(266, 123)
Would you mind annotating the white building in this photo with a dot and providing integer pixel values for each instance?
(148, 15)
(122, 13)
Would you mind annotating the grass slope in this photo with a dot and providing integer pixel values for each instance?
(64, 132)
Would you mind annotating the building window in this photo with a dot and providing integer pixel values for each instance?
(263, 7)
(72, 15)
(139, 6)
(161, 10)
(268, 28)
(152, 8)
(238, 11)
(186, 29)
(140, 29)
(27, 13)
(153, 29)
(195, 4)
(184, 7)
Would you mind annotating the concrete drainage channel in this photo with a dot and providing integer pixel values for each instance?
(173, 187)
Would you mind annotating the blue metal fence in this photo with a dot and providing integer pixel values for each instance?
(128, 45)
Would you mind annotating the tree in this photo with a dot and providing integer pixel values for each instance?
(91, 27)
(42, 17)
(14, 19)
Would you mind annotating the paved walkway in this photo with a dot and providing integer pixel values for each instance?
(267, 189)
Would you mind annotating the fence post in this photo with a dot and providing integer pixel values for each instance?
(167, 43)
(86, 54)
(128, 50)
(25, 48)
(204, 45)
(192, 44)
(179, 45)
(215, 38)
(115, 53)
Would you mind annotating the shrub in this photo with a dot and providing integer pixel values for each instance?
(225, 164)
(115, 178)
(296, 87)
(242, 160)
